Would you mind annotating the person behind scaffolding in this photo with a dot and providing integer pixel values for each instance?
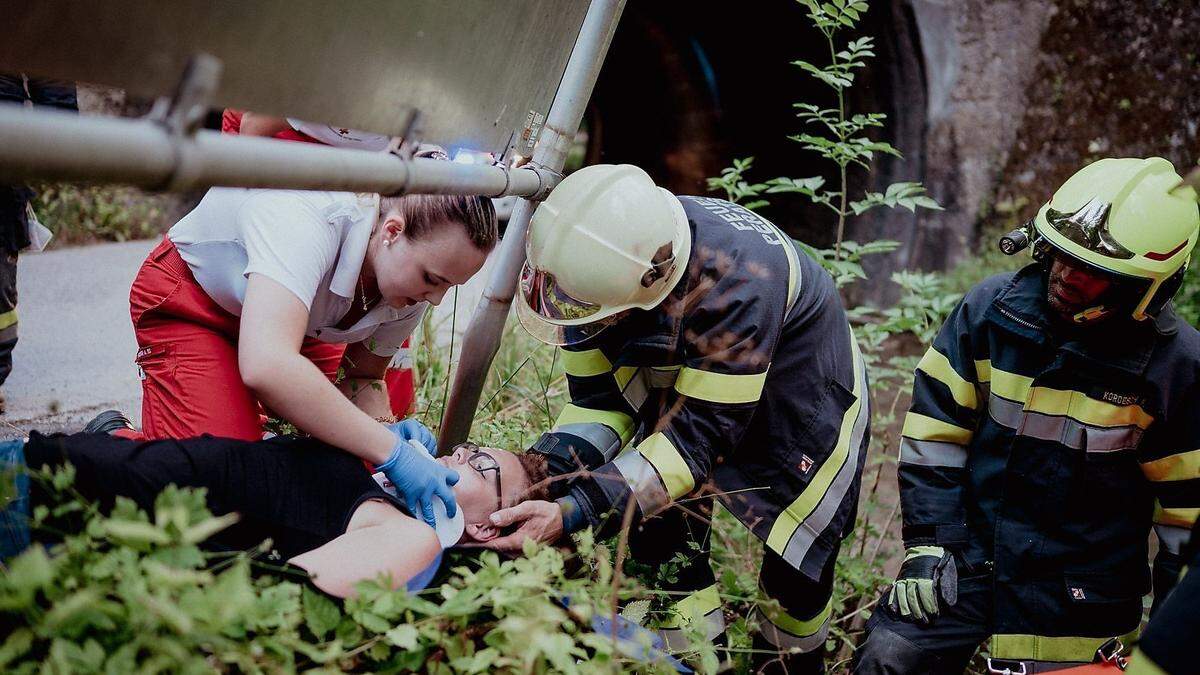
(707, 358)
(15, 210)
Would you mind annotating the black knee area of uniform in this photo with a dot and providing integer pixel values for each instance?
(888, 653)
(767, 659)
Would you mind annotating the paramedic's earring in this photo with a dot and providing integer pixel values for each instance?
(387, 242)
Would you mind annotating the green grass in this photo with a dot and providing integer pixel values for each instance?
(85, 214)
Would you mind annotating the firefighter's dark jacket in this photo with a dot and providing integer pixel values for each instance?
(745, 382)
(1047, 456)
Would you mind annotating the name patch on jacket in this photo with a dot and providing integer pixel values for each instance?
(1121, 399)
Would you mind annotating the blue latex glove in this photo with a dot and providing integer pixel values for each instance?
(412, 430)
(419, 480)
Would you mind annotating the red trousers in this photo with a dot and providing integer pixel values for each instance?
(187, 356)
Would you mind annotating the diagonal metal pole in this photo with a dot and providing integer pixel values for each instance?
(482, 338)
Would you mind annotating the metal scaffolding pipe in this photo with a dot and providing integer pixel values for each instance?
(55, 145)
(482, 338)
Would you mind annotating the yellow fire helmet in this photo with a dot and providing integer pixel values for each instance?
(606, 240)
(1127, 217)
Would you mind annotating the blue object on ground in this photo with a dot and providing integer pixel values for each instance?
(634, 641)
(14, 511)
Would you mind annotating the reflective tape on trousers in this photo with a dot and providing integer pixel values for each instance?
(787, 633)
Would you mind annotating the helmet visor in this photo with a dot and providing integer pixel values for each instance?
(561, 336)
(547, 299)
(1088, 227)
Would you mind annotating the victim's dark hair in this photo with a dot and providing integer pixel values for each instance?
(538, 471)
(421, 213)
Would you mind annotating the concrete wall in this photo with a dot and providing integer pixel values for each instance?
(956, 123)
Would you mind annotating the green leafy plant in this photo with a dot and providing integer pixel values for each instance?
(837, 136)
(891, 338)
(83, 214)
(131, 591)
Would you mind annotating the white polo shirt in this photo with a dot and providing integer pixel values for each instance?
(312, 243)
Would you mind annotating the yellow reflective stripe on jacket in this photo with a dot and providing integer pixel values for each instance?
(983, 371)
(720, 387)
(1181, 466)
(1179, 517)
(936, 365)
(674, 472)
(1065, 403)
(1009, 385)
(8, 318)
(1044, 648)
(623, 375)
(586, 363)
(796, 512)
(1081, 407)
(692, 607)
(923, 428)
(617, 421)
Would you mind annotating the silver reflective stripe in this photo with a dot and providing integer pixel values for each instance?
(785, 640)
(636, 391)
(660, 378)
(1070, 432)
(644, 481)
(932, 453)
(812, 527)
(599, 435)
(676, 639)
(1172, 538)
(1006, 413)
(1111, 439)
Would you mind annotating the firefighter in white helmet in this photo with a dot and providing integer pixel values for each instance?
(706, 358)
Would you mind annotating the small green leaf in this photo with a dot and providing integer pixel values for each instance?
(16, 645)
(203, 530)
(321, 614)
(135, 534)
(403, 636)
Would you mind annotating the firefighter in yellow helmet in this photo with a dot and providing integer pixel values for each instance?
(1054, 422)
(706, 357)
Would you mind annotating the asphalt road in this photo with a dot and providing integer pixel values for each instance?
(75, 352)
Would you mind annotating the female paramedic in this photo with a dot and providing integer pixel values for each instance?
(265, 297)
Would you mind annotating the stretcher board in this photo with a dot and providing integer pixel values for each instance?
(481, 73)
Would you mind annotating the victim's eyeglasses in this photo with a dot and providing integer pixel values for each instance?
(482, 462)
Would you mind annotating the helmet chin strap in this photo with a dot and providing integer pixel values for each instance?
(1091, 314)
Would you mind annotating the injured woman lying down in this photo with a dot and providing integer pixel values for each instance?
(321, 508)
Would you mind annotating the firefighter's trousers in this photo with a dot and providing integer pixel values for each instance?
(675, 544)
(8, 310)
(943, 646)
(940, 647)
